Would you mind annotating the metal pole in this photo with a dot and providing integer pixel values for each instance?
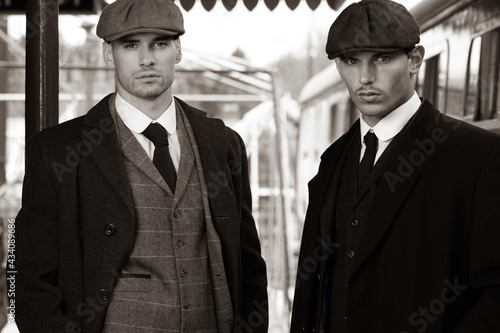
(3, 105)
(282, 189)
(42, 65)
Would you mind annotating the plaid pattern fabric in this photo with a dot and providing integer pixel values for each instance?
(222, 296)
(166, 286)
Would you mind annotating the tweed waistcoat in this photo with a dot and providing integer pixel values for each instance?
(166, 284)
(349, 218)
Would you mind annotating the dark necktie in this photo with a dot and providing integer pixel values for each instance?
(371, 142)
(161, 158)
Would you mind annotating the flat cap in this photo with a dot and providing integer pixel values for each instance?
(372, 25)
(125, 17)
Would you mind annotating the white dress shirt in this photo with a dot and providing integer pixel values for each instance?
(389, 126)
(137, 122)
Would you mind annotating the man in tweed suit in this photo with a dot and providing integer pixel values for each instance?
(104, 242)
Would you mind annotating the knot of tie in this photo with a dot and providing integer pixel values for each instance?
(370, 139)
(157, 134)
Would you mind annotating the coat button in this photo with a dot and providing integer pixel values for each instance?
(109, 229)
(183, 273)
(104, 295)
(354, 223)
(350, 254)
(180, 243)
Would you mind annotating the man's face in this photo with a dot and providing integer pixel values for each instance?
(144, 64)
(379, 82)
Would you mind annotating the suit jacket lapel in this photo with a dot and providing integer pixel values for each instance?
(133, 151)
(106, 152)
(212, 145)
(394, 177)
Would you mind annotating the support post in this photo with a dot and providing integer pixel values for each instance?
(3, 104)
(42, 65)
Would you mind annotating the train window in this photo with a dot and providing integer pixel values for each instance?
(431, 79)
(342, 116)
(334, 123)
(482, 87)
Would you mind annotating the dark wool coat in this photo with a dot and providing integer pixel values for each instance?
(77, 224)
(429, 256)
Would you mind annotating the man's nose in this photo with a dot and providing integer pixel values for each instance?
(367, 74)
(147, 57)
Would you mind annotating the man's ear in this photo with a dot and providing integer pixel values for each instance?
(416, 58)
(178, 57)
(337, 62)
(107, 53)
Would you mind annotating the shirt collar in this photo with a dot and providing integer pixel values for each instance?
(389, 126)
(137, 121)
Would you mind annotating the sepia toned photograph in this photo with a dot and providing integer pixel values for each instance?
(241, 166)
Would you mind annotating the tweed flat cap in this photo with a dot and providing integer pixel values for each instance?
(372, 25)
(126, 17)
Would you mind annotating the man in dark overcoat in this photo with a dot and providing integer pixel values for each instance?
(137, 216)
(402, 232)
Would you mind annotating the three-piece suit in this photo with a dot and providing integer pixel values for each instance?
(78, 231)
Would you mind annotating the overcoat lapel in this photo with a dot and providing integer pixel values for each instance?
(213, 148)
(187, 159)
(394, 180)
(106, 152)
(329, 175)
(318, 232)
(331, 159)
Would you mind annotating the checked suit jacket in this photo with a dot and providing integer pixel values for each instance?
(76, 227)
(429, 256)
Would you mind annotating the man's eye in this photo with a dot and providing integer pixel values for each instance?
(161, 44)
(129, 46)
(350, 61)
(383, 59)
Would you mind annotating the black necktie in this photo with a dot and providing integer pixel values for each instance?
(366, 164)
(161, 158)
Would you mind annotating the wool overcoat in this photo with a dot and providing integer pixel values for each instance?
(76, 228)
(429, 256)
